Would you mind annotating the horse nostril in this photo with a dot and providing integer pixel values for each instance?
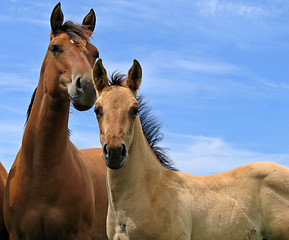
(123, 151)
(78, 83)
(105, 149)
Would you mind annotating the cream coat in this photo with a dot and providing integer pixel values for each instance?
(148, 201)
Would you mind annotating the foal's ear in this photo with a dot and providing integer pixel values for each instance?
(100, 78)
(134, 76)
(56, 18)
(89, 21)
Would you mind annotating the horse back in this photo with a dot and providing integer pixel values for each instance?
(256, 195)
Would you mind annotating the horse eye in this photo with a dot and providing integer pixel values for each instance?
(135, 111)
(55, 49)
(97, 112)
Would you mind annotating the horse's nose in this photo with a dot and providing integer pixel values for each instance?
(114, 156)
(78, 84)
(114, 153)
(81, 92)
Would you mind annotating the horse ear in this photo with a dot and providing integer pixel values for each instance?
(100, 78)
(56, 18)
(89, 21)
(134, 76)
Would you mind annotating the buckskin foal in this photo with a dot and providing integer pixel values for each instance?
(55, 191)
(149, 201)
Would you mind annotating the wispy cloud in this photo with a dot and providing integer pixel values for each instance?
(207, 67)
(195, 63)
(138, 10)
(86, 138)
(10, 141)
(38, 13)
(221, 8)
(203, 75)
(10, 128)
(12, 109)
(14, 81)
(206, 155)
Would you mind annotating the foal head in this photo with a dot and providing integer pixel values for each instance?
(67, 68)
(116, 109)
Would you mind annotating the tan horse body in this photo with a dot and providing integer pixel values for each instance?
(54, 191)
(3, 179)
(148, 201)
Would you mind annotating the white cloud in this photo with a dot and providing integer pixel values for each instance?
(196, 63)
(14, 128)
(10, 141)
(13, 81)
(216, 7)
(86, 138)
(10, 109)
(208, 67)
(113, 11)
(206, 155)
(170, 72)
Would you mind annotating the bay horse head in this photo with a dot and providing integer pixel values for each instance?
(67, 68)
(117, 111)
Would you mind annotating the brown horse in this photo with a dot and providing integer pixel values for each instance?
(149, 201)
(3, 178)
(55, 191)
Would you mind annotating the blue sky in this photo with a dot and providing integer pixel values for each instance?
(215, 73)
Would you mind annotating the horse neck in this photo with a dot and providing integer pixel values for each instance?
(45, 137)
(141, 170)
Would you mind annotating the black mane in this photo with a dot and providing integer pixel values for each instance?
(30, 105)
(150, 125)
(117, 79)
(152, 131)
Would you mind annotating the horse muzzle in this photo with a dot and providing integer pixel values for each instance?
(114, 157)
(82, 93)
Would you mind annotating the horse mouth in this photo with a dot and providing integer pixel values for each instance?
(79, 107)
(84, 98)
(114, 166)
(114, 157)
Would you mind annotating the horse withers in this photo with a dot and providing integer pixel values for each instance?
(54, 190)
(150, 201)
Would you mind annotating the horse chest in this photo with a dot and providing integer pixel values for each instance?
(50, 214)
(146, 224)
(43, 222)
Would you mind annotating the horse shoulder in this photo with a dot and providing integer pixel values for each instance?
(219, 204)
(251, 200)
(268, 176)
(274, 198)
